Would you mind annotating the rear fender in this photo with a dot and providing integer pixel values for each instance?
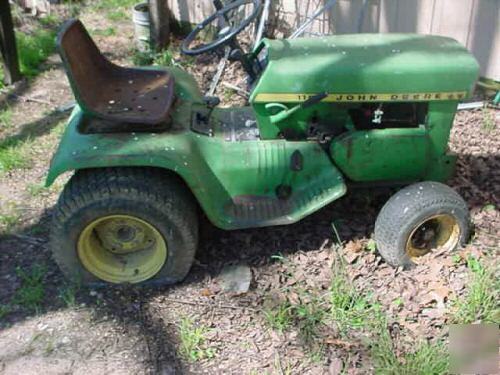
(82, 151)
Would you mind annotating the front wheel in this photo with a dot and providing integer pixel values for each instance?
(421, 218)
(124, 225)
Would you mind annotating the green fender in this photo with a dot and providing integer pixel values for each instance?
(235, 183)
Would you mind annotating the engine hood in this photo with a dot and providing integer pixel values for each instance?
(366, 67)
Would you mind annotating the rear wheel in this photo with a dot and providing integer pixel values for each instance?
(124, 225)
(421, 218)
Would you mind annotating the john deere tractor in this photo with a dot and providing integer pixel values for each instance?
(149, 152)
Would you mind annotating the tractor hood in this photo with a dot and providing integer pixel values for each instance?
(383, 67)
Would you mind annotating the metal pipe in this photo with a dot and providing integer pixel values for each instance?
(262, 24)
(328, 5)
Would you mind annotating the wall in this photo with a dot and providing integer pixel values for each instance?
(475, 23)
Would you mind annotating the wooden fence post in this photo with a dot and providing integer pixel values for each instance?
(160, 24)
(8, 44)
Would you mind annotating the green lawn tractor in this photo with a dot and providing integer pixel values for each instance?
(150, 153)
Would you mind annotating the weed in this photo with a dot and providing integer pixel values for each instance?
(371, 245)
(280, 317)
(110, 31)
(427, 358)
(142, 58)
(349, 308)
(34, 49)
(193, 341)
(228, 93)
(68, 294)
(5, 119)
(50, 20)
(36, 189)
(488, 120)
(116, 15)
(164, 58)
(14, 154)
(482, 296)
(4, 310)
(306, 316)
(114, 4)
(32, 292)
(9, 217)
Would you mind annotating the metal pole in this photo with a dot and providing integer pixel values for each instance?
(263, 20)
(328, 5)
(159, 14)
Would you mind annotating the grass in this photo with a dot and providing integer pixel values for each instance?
(116, 10)
(9, 217)
(488, 120)
(5, 119)
(279, 318)
(109, 31)
(481, 301)
(426, 358)
(117, 15)
(4, 310)
(34, 49)
(193, 346)
(354, 311)
(68, 294)
(32, 292)
(14, 154)
(114, 4)
(36, 189)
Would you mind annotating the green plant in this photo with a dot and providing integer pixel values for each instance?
(105, 32)
(32, 292)
(489, 123)
(50, 20)
(353, 310)
(114, 4)
(164, 58)
(279, 317)
(4, 310)
(9, 217)
(68, 294)
(481, 301)
(14, 154)
(36, 189)
(349, 308)
(116, 15)
(193, 346)
(34, 49)
(5, 118)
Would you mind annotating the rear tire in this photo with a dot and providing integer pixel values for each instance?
(154, 207)
(418, 219)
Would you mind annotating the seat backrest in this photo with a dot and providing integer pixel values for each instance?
(87, 69)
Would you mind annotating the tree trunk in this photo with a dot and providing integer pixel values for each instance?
(160, 24)
(8, 45)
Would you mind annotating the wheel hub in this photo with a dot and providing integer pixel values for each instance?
(436, 232)
(122, 248)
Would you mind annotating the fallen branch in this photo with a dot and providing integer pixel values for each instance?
(239, 90)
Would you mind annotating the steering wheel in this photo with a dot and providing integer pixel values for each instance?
(228, 29)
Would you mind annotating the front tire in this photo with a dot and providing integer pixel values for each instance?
(419, 219)
(124, 225)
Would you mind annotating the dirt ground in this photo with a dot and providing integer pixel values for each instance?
(135, 331)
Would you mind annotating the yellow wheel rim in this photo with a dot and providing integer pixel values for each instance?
(437, 232)
(122, 249)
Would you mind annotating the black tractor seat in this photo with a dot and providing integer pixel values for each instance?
(133, 99)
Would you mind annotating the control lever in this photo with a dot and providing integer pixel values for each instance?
(287, 112)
